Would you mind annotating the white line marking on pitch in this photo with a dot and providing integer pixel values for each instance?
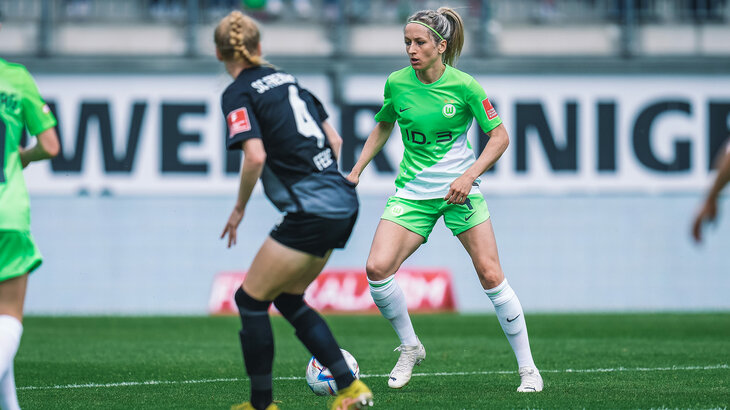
(486, 372)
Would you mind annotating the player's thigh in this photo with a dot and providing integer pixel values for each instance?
(295, 253)
(480, 243)
(308, 275)
(12, 296)
(392, 245)
(276, 268)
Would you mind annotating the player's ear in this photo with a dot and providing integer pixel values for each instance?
(218, 54)
(258, 49)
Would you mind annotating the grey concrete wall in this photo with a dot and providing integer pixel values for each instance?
(135, 255)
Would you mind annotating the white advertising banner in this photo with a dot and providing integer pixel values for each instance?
(164, 134)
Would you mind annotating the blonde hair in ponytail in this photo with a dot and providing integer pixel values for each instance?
(448, 23)
(237, 38)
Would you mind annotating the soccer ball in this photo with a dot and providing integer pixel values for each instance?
(320, 379)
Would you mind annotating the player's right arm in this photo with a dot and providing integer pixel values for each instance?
(377, 138)
(385, 118)
(47, 147)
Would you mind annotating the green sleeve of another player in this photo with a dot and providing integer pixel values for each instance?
(481, 107)
(387, 113)
(36, 114)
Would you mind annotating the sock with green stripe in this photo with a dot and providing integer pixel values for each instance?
(391, 301)
(512, 319)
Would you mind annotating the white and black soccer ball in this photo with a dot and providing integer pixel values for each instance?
(320, 379)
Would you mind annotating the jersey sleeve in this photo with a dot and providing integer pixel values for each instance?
(387, 112)
(480, 106)
(240, 119)
(37, 116)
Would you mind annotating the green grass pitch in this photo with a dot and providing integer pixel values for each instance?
(587, 361)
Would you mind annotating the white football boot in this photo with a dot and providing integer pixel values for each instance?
(531, 380)
(409, 356)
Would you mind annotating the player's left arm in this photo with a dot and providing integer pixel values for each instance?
(47, 147)
(333, 137)
(491, 124)
(497, 144)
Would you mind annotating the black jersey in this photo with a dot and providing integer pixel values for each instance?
(300, 174)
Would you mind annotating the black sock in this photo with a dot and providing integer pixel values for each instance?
(314, 333)
(257, 344)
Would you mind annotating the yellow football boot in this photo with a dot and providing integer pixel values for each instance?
(247, 406)
(355, 396)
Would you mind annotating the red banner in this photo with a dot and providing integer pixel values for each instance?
(347, 291)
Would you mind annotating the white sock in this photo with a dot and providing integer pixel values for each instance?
(10, 331)
(8, 397)
(512, 320)
(391, 301)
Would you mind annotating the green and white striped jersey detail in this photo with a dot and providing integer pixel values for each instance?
(434, 119)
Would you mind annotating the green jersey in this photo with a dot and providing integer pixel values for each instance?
(21, 106)
(433, 120)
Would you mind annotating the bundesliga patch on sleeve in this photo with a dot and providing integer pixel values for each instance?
(238, 122)
(489, 109)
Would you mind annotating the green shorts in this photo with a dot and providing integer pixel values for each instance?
(420, 215)
(18, 254)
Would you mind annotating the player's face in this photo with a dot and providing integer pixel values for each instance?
(421, 48)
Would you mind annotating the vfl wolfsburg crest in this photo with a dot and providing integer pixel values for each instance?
(396, 210)
(449, 110)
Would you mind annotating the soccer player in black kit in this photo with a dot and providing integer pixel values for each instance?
(287, 142)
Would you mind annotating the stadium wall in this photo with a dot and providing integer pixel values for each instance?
(591, 203)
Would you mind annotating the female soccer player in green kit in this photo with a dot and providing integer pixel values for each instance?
(21, 106)
(434, 104)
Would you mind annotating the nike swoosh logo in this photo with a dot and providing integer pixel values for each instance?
(513, 319)
(405, 109)
(466, 218)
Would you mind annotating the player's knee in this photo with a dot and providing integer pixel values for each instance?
(377, 270)
(290, 305)
(490, 275)
(248, 305)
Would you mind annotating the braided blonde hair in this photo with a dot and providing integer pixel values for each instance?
(237, 38)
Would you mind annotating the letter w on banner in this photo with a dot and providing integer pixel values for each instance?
(346, 291)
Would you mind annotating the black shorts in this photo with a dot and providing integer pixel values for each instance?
(313, 234)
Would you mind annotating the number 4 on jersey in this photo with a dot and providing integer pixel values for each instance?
(305, 123)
